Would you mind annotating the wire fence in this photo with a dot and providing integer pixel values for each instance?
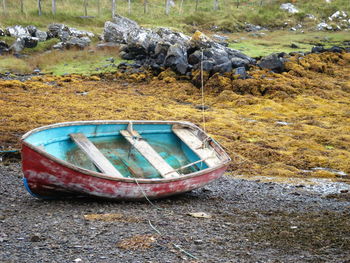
(103, 7)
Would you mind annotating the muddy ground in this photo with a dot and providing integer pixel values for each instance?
(242, 221)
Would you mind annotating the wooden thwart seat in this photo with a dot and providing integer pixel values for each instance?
(102, 163)
(165, 170)
(196, 145)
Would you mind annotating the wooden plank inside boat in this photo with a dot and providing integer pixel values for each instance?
(195, 144)
(102, 163)
(165, 170)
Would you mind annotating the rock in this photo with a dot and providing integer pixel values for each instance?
(195, 57)
(294, 46)
(241, 72)
(79, 42)
(4, 48)
(338, 15)
(318, 49)
(172, 37)
(336, 49)
(252, 28)
(118, 30)
(2, 32)
(17, 31)
(41, 35)
(59, 45)
(290, 8)
(177, 59)
(80, 33)
(274, 62)
(30, 42)
(323, 26)
(55, 30)
(18, 46)
(238, 62)
(64, 35)
(224, 67)
(310, 17)
(220, 38)
(31, 30)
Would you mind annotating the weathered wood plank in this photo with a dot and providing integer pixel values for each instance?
(165, 170)
(196, 145)
(102, 163)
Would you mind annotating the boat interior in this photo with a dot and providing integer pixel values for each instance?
(130, 149)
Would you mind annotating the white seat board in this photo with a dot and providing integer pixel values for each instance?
(102, 163)
(146, 150)
(195, 144)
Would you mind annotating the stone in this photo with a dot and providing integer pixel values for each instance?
(55, 30)
(2, 32)
(238, 62)
(79, 42)
(80, 33)
(17, 46)
(224, 67)
(336, 49)
(318, 49)
(30, 42)
(41, 35)
(323, 26)
(4, 48)
(59, 45)
(17, 31)
(290, 8)
(177, 59)
(241, 71)
(118, 30)
(195, 57)
(31, 30)
(273, 62)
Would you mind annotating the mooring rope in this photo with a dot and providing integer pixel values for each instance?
(202, 91)
(155, 229)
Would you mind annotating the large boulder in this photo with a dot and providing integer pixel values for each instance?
(77, 42)
(41, 35)
(30, 42)
(176, 59)
(274, 62)
(80, 33)
(17, 46)
(118, 30)
(17, 31)
(56, 30)
(31, 30)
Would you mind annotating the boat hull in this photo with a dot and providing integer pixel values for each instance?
(45, 177)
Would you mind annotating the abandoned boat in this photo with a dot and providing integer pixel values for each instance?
(119, 159)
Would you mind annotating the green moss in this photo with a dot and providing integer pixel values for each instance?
(88, 66)
(41, 47)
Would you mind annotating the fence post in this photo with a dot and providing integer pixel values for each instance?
(54, 7)
(85, 7)
(39, 7)
(167, 7)
(113, 8)
(197, 1)
(22, 7)
(145, 6)
(4, 5)
(216, 4)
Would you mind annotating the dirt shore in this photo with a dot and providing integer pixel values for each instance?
(241, 221)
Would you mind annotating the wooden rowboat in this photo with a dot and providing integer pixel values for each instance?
(119, 159)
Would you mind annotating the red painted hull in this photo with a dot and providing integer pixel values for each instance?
(46, 177)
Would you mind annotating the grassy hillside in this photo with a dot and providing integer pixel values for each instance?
(183, 15)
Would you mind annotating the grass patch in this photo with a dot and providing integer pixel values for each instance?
(14, 65)
(281, 41)
(41, 47)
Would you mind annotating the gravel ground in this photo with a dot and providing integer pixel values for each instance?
(241, 221)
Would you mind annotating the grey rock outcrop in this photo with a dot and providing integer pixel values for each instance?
(17, 31)
(162, 47)
(274, 62)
